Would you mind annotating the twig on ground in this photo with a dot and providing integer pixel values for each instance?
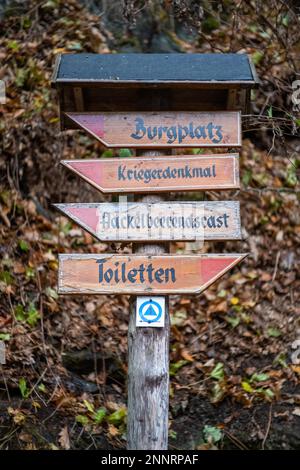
(276, 266)
(268, 427)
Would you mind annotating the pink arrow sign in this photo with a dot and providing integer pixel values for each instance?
(163, 129)
(208, 220)
(150, 174)
(141, 274)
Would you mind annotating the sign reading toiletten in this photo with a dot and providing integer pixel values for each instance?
(141, 274)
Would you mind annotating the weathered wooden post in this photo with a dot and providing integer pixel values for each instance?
(148, 348)
(148, 366)
(154, 103)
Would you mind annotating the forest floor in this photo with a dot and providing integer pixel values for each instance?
(233, 360)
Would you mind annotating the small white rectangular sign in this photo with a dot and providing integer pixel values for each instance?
(150, 311)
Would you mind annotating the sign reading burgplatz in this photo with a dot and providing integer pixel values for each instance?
(160, 130)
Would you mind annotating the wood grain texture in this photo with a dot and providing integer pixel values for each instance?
(120, 274)
(163, 129)
(163, 221)
(108, 98)
(148, 385)
(148, 357)
(174, 173)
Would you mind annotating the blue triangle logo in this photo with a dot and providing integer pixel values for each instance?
(150, 312)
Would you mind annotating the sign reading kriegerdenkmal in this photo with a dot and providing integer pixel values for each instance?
(150, 174)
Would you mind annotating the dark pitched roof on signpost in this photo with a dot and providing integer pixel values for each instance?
(155, 68)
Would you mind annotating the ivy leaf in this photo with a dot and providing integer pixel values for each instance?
(273, 332)
(124, 153)
(42, 388)
(32, 315)
(29, 272)
(247, 387)
(222, 294)
(259, 377)
(4, 336)
(6, 277)
(118, 416)
(172, 434)
(218, 392)
(23, 245)
(257, 57)
(212, 434)
(19, 312)
(268, 393)
(281, 360)
(99, 416)
(107, 153)
(51, 293)
(218, 372)
(247, 177)
(233, 321)
(23, 387)
(82, 419)
(89, 406)
(13, 45)
(285, 20)
(175, 366)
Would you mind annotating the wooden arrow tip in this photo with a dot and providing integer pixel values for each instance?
(90, 170)
(59, 207)
(212, 268)
(93, 123)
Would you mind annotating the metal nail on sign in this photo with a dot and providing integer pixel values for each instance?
(150, 174)
(163, 129)
(141, 274)
(208, 220)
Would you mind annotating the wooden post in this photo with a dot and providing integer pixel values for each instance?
(148, 367)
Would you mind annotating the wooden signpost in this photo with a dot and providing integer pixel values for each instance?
(139, 274)
(163, 129)
(217, 220)
(147, 175)
(155, 102)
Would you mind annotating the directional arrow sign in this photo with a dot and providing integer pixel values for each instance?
(209, 220)
(163, 129)
(150, 174)
(141, 274)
